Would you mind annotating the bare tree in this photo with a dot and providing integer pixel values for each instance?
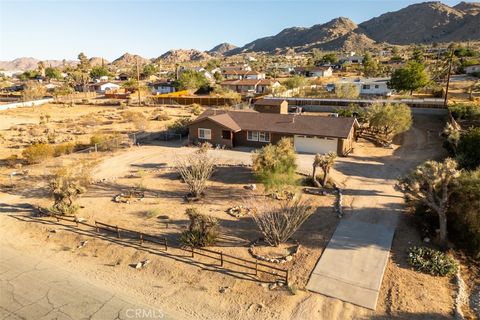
(278, 221)
(326, 162)
(430, 184)
(195, 170)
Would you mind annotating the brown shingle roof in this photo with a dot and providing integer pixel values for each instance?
(283, 123)
(269, 102)
(248, 82)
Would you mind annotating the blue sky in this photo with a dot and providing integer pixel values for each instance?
(61, 29)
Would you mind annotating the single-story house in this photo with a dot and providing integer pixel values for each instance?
(472, 69)
(369, 86)
(123, 76)
(103, 87)
(162, 86)
(310, 134)
(242, 74)
(271, 106)
(251, 85)
(320, 72)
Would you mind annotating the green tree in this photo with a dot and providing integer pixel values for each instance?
(295, 82)
(149, 70)
(83, 64)
(329, 58)
(29, 75)
(468, 149)
(53, 73)
(430, 184)
(275, 165)
(371, 68)
(99, 71)
(389, 120)
(191, 80)
(417, 55)
(411, 77)
(347, 90)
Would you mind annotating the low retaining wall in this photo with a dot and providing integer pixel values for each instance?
(25, 104)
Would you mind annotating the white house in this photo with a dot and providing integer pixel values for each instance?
(369, 86)
(318, 72)
(103, 87)
(162, 87)
(472, 69)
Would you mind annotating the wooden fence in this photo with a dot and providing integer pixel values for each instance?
(202, 100)
(222, 258)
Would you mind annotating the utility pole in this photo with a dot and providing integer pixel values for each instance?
(445, 101)
(138, 84)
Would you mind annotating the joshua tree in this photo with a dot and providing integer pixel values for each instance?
(326, 162)
(430, 183)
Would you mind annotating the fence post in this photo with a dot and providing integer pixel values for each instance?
(96, 227)
(221, 259)
(256, 267)
(141, 238)
(192, 252)
(96, 149)
(118, 232)
(166, 248)
(286, 277)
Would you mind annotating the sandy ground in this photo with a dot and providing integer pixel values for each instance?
(191, 287)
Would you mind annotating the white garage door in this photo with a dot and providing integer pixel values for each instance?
(309, 144)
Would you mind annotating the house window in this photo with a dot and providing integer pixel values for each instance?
(376, 86)
(252, 135)
(227, 135)
(258, 136)
(204, 133)
(366, 87)
(264, 136)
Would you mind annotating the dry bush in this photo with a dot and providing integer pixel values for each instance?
(196, 109)
(64, 148)
(195, 170)
(11, 161)
(67, 184)
(38, 152)
(202, 231)
(105, 142)
(137, 118)
(279, 220)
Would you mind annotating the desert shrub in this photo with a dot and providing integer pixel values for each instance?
(153, 213)
(66, 185)
(462, 111)
(431, 261)
(468, 149)
(162, 116)
(196, 109)
(11, 161)
(202, 231)
(137, 118)
(180, 126)
(279, 220)
(464, 216)
(38, 152)
(195, 170)
(64, 148)
(105, 142)
(275, 165)
(204, 147)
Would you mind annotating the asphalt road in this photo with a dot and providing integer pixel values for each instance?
(35, 289)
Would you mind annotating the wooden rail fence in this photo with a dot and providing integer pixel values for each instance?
(222, 258)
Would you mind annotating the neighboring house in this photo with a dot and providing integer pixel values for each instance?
(103, 87)
(162, 86)
(103, 79)
(242, 74)
(271, 106)
(251, 85)
(320, 72)
(472, 69)
(370, 86)
(245, 67)
(10, 73)
(354, 59)
(311, 134)
(123, 76)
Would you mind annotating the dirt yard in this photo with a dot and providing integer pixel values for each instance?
(195, 288)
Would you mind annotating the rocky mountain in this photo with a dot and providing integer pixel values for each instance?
(221, 49)
(98, 61)
(127, 60)
(28, 63)
(183, 55)
(422, 23)
(418, 23)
